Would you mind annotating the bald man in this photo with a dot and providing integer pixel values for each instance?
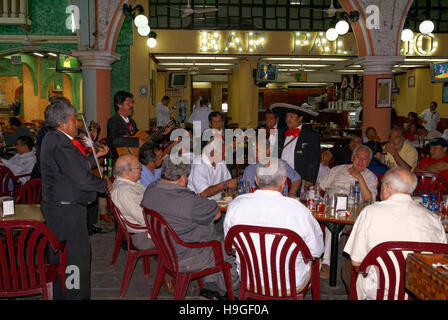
(396, 218)
(127, 194)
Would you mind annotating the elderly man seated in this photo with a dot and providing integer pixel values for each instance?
(127, 194)
(150, 156)
(260, 155)
(437, 162)
(400, 153)
(209, 177)
(23, 161)
(396, 218)
(192, 217)
(268, 207)
(339, 180)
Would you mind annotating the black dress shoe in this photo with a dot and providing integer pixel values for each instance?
(210, 294)
(94, 230)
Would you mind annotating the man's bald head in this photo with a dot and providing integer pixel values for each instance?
(400, 180)
(125, 165)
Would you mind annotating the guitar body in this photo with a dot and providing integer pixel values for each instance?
(142, 134)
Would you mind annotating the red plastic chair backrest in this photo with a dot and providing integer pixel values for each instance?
(165, 239)
(430, 182)
(122, 222)
(6, 176)
(279, 250)
(23, 246)
(30, 192)
(388, 254)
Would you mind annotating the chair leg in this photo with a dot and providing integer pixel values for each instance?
(228, 281)
(146, 266)
(353, 294)
(182, 281)
(48, 291)
(201, 283)
(117, 247)
(129, 269)
(160, 275)
(315, 280)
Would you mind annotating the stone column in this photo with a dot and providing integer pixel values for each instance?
(376, 67)
(216, 96)
(248, 95)
(96, 70)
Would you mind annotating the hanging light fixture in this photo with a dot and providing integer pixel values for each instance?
(407, 35)
(342, 27)
(140, 21)
(152, 42)
(331, 34)
(144, 31)
(426, 27)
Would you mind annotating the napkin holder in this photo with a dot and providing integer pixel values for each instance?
(340, 200)
(7, 206)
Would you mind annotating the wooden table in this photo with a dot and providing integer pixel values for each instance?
(26, 212)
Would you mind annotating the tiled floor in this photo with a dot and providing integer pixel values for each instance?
(106, 279)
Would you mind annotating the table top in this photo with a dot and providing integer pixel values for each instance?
(26, 212)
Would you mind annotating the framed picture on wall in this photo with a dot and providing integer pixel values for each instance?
(384, 93)
(445, 93)
(411, 81)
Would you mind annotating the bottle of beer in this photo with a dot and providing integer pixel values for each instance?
(105, 167)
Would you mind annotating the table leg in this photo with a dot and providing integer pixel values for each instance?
(335, 229)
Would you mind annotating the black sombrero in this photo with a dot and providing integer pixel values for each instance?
(282, 109)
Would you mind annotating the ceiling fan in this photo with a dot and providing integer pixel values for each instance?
(188, 10)
(331, 12)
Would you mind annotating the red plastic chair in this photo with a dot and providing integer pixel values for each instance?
(388, 253)
(165, 239)
(133, 253)
(6, 176)
(23, 269)
(256, 277)
(430, 182)
(30, 193)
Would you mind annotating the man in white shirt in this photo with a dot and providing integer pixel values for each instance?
(209, 177)
(339, 180)
(25, 159)
(396, 218)
(201, 114)
(163, 111)
(430, 117)
(127, 194)
(268, 207)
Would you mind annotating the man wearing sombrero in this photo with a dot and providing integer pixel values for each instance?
(299, 145)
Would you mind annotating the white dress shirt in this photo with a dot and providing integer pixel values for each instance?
(201, 114)
(162, 114)
(289, 152)
(21, 164)
(127, 196)
(432, 118)
(398, 218)
(273, 137)
(203, 175)
(271, 209)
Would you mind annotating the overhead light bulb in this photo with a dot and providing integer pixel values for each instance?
(407, 35)
(342, 27)
(140, 21)
(144, 31)
(151, 42)
(426, 27)
(331, 34)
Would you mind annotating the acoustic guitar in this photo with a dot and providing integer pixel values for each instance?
(142, 134)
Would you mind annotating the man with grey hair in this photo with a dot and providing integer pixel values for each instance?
(192, 217)
(68, 186)
(127, 194)
(400, 153)
(339, 180)
(396, 218)
(267, 207)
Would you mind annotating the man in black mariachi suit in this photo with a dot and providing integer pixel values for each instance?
(298, 144)
(68, 186)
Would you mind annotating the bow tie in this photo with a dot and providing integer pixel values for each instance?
(79, 146)
(292, 132)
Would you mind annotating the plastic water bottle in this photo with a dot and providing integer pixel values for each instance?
(240, 189)
(433, 205)
(351, 198)
(357, 193)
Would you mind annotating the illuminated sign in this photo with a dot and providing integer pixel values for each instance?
(421, 45)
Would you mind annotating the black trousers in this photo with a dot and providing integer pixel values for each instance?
(69, 223)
